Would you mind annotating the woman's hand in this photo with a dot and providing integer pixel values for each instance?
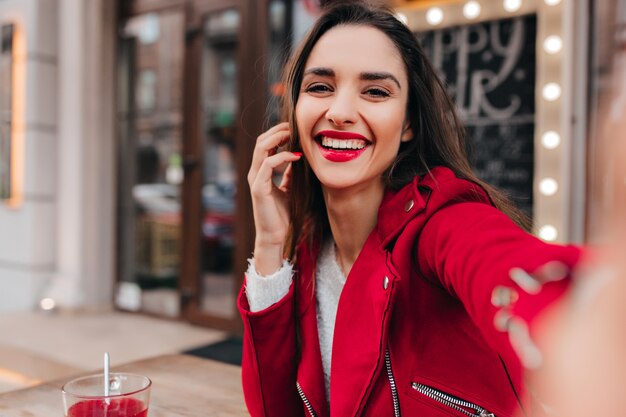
(269, 202)
(582, 341)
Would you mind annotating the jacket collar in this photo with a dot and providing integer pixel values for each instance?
(399, 207)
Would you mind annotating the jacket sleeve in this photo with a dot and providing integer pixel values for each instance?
(269, 358)
(504, 276)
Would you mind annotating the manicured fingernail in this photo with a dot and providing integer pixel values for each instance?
(297, 153)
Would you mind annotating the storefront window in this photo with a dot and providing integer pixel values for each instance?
(220, 107)
(152, 48)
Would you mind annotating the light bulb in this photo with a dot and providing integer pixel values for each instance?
(553, 44)
(550, 140)
(548, 232)
(512, 5)
(47, 304)
(548, 186)
(471, 10)
(434, 16)
(552, 2)
(551, 91)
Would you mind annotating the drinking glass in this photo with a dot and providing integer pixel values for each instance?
(129, 396)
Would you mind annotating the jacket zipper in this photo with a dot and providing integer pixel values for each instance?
(392, 384)
(306, 402)
(452, 402)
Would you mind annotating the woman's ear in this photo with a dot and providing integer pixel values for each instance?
(407, 132)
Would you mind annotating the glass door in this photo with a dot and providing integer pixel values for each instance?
(220, 106)
(150, 118)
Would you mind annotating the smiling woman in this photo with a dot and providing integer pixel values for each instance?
(347, 99)
(380, 253)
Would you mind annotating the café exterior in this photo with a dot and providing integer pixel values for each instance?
(127, 128)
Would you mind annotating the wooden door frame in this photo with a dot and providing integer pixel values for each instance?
(251, 113)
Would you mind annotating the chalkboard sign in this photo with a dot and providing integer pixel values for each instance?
(489, 69)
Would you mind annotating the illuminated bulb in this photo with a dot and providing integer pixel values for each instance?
(434, 16)
(548, 232)
(512, 5)
(550, 140)
(47, 304)
(552, 2)
(548, 186)
(471, 10)
(551, 91)
(402, 17)
(552, 44)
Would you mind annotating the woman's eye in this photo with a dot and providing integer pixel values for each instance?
(317, 88)
(377, 92)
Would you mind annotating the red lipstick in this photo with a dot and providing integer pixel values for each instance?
(343, 155)
(340, 156)
(340, 134)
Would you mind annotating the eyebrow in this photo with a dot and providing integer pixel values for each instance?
(374, 76)
(365, 76)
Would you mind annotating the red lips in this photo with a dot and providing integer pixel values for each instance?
(343, 155)
(340, 134)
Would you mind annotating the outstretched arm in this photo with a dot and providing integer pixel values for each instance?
(504, 276)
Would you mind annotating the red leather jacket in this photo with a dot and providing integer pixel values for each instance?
(414, 332)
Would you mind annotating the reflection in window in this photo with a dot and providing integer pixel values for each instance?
(219, 112)
(146, 90)
(151, 162)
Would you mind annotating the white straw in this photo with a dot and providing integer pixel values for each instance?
(106, 374)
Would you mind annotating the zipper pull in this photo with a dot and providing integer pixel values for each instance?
(486, 413)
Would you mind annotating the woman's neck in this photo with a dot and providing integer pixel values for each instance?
(352, 215)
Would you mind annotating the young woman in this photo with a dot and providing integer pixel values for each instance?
(387, 279)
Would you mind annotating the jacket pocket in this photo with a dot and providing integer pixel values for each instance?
(453, 403)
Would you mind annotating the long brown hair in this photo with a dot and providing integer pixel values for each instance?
(439, 137)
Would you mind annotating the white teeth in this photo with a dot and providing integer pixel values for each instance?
(343, 144)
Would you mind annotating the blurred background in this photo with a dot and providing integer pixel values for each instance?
(127, 129)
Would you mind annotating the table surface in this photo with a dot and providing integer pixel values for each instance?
(182, 385)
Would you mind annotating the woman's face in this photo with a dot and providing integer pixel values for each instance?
(351, 111)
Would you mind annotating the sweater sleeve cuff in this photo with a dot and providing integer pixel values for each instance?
(263, 291)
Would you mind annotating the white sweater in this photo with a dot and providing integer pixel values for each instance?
(262, 292)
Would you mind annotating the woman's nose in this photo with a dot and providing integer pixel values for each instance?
(342, 110)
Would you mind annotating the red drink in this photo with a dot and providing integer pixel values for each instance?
(124, 407)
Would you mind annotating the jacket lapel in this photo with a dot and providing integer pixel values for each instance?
(360, 329)
(310, 370)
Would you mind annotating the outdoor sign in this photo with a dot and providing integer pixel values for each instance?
(489, 69)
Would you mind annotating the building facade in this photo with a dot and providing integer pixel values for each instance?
(131, 126)
(56, 223)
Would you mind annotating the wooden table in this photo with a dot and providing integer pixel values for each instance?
(182, 386)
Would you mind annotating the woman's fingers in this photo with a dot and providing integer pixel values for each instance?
(261, 184)
(269, 204)
(285, 183)
(266, 145)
